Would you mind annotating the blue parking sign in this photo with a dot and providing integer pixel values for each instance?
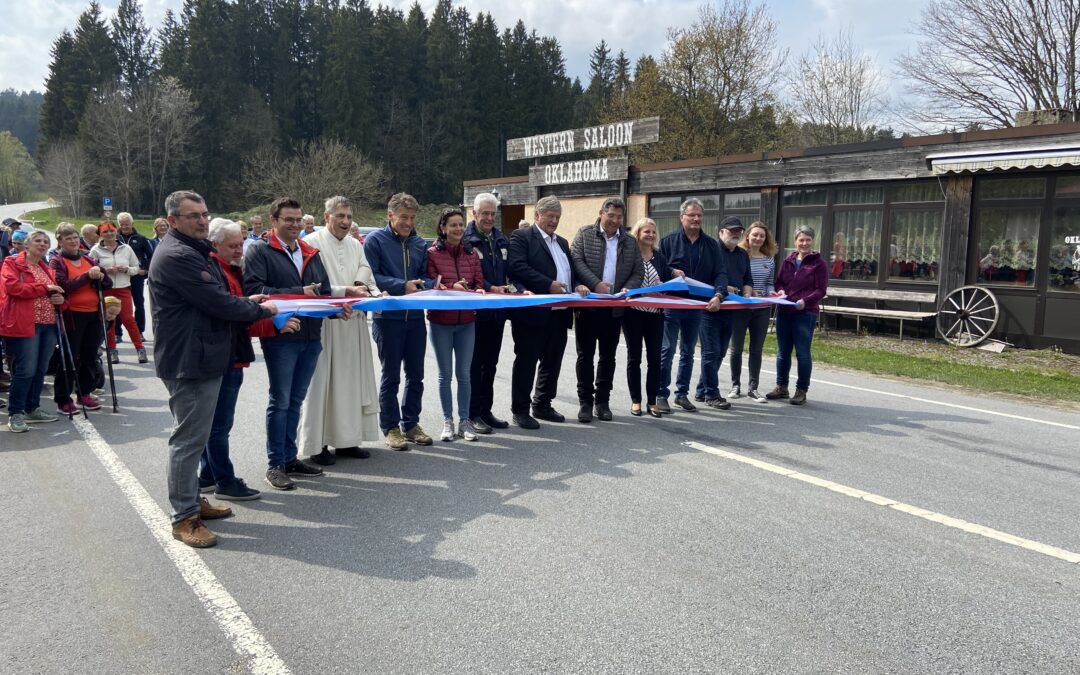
(106, 202)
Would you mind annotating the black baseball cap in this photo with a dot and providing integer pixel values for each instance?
(732, 223)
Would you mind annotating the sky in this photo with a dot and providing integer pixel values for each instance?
(881, 27)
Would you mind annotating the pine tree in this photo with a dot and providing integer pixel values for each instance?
(59, 117)
(136, 52)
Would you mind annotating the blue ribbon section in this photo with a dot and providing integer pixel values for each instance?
(458, 300)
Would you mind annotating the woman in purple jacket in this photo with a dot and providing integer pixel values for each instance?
(803, 279)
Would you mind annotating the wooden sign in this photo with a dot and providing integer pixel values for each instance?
(579, 171)
(614, 135)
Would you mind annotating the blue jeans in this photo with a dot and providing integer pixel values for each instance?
(715, 336)
(680, 328)
(400, 342)
(214, 464)
(29, 360)
(289, 366)
(794, 329)
(450, 342)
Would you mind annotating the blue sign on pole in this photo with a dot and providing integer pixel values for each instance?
(106, 202)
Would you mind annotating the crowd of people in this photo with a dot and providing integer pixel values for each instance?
(211, 284)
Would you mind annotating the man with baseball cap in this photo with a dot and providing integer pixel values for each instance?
(716, 327)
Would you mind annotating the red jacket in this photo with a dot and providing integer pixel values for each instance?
(454, 263)
(18, 289)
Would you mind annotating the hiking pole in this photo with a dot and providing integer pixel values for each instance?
(65, 345)
(105, 337)
(63, 354)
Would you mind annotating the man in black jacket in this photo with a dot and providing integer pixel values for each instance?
(539, 262)
(285, 265)
(606, 260)
(494, 250)
(195, 318)
(141, 246)
(716, 327)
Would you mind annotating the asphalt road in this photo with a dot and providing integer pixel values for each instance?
(603, 548)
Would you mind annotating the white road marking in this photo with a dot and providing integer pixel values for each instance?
(942, 403)
(939, 518)
(238, 628)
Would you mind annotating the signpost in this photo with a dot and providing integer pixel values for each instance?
(600, 137)
(579, 171)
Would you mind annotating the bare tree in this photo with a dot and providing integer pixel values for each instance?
(67, 175)
(721, 69)
(320, 169)
(110, 134)
(982, 61)
(837, 91)
(165, 114)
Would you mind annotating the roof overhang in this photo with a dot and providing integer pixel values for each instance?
(1033, 157)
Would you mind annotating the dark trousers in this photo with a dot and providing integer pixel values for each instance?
(543, 344)
(485, 359)
(757, 322)
(400, 342)
(289, 368)
(794, 330)
(593, 327)
(647, 327)
(215, 464)
(84, 335)
(715, 336)
(137, 283)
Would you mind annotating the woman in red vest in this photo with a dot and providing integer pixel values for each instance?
(80, 277)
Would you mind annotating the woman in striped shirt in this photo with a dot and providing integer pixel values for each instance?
(760, 244)
(643, 324)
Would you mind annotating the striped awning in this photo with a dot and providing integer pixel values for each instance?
(1034, 157)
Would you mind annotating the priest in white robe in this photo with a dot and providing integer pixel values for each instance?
(341, 410)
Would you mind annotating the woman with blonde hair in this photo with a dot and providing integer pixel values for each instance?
(643, 324)
(759, 242)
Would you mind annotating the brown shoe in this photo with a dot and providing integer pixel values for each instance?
(779, 392)
(192, 532)
(799, 398)
(208, 511)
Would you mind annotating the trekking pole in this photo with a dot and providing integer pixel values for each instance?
(105, 337)
(65, 347)
(63, 354)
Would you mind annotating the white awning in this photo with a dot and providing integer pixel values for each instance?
(1013, 158)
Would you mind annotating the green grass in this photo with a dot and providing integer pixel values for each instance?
(1041, 382)
(48, 219)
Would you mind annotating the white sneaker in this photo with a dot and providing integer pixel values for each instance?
(466, 430)
(735, 393)
(755, 396)
(447, 430)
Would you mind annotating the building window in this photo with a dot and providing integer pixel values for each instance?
(664, 210)
(1008, 218)
(915, 227)
(855, 245)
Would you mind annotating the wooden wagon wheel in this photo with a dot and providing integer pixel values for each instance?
(967, 316)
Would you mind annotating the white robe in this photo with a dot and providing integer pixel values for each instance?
(342, 405)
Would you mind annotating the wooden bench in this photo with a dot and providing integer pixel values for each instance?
(919, 298)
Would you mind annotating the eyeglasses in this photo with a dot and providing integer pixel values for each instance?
(195, 216)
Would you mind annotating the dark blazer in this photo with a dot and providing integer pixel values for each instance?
(194, 314)
(530, 267)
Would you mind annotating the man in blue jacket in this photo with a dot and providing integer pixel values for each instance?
(195, 324)
(690, 253)
(398, 259)
(493, 248)
(716, 327)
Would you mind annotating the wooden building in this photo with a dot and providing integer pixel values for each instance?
(998, 209)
